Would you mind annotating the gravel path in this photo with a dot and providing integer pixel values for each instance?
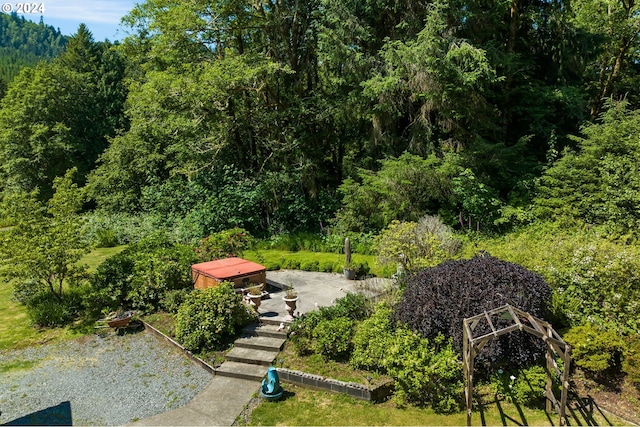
(96, 380)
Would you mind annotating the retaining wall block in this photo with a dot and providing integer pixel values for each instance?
(356, 390)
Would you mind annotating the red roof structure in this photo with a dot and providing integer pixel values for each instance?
(237, 270)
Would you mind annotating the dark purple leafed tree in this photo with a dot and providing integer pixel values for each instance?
(437, 300)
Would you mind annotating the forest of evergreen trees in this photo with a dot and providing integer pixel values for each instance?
(23, 43)
(290, 115)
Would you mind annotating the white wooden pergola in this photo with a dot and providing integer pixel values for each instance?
(519, 321)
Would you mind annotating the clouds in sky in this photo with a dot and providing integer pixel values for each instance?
(101, 16)
(89, 11)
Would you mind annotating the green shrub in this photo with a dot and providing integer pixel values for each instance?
(425, 373)
(593, 277)
(224, 244)
(310, 266)
(600, 284)
(45, 311)
(371, 340)
(361, 243)
(332, 338)
(631, 362)
(363, 269)
(595, 350)
(326, 267)
(157, 272)
(106, 238)
(272, 266)
(173, 299)
(301, 335)
(291, 264)
(139, 276)
(105, 230)
(526, 386)
(211, 318)
(416, 245)
(112, 281)
(353, 306)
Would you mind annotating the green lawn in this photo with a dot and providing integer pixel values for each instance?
(15, 330)
(94, 258)
(305, 407)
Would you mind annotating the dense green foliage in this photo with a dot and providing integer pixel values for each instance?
(23, 43)
(346, 310)
(332, 338)
(211, 318)
(425, 372)
(141, 276)
(437, 300)
(593, 278)
(599, 184)
(359, 119)
(415, 245)
(360, 113)
(594, 349)
(224, 244)
(242, 116)
(39, 252)
(59, 115)
(631, 362)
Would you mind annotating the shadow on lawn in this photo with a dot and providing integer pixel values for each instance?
(59, 415)
(580, 412)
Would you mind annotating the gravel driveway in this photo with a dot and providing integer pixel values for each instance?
(95, 380)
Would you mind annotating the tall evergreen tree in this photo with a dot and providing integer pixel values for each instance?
(59, 115)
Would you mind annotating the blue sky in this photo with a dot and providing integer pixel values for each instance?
(102, 17)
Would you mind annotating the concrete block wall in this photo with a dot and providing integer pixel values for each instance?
(359, 391)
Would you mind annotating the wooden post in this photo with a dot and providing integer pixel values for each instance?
(566, 359)
(549, 369)
(467, 368)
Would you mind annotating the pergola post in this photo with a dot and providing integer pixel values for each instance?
(550, 369)
(566, 359)
(467, 370)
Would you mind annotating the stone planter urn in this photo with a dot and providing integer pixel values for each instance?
(254, 301)
(290, 306)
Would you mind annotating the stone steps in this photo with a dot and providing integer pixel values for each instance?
(252, 356)
(246, 371)
(265, 330)
(261, 343)
(254, 352)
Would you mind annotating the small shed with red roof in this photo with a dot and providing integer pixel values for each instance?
(241, 272)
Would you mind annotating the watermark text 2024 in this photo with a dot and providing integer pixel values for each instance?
(23, 8)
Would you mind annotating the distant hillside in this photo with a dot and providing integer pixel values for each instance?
(24, 43)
